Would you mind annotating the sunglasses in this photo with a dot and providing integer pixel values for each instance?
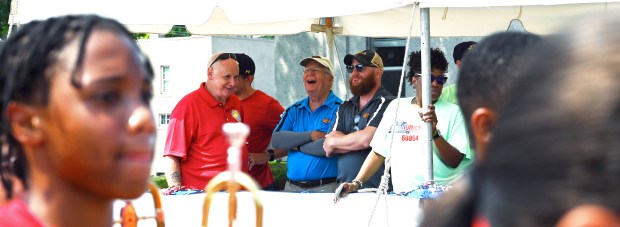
(358, 67)
(441, 79)
(223, 56)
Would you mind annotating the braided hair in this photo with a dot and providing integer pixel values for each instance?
(26, 60)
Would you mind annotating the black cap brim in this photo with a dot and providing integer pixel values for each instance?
(348, 60)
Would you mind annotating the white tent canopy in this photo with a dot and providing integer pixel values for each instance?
(385, 18)
(372, 18)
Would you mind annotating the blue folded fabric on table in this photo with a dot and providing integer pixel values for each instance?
(181, 190)
(187, 192)
(428, 190)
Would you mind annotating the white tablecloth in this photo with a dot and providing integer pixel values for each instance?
(283, 209)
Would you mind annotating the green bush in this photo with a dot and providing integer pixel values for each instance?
(278, 170)
(160, 181)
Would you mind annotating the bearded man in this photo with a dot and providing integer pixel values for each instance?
(357, 119)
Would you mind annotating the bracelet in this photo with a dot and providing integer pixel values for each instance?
(358, 182)
(271, 154)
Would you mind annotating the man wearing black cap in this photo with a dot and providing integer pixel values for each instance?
(262, 114)
(358, 118)
(448, 94)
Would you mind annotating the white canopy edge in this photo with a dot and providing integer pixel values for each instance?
(372, 18)
(219, 24)
(496, 3)
(193, 12)
(447, 22)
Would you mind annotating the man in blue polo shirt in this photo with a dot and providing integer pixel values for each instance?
(302, 130)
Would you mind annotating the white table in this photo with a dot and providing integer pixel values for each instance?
(283, 209)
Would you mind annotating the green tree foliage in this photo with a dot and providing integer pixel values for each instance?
(159, 181)
(270, 37)
(5, 9)
(178, 31)
(137, 36)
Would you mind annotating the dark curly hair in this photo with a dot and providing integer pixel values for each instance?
(25, 62)
(438, 61)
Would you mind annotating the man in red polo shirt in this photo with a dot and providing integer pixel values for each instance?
(196, 147)
(262, 114)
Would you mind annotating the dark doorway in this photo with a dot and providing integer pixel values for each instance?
(392, 52)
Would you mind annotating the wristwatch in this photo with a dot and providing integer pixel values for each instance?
(436, 134)
(358, 182)
(271, 154)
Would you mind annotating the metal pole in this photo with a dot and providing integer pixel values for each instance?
(426, 86)
(12, 13)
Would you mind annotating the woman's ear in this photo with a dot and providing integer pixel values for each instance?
(483, 122)
(25, 123)
(412, 81)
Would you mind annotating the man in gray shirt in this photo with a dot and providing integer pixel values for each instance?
(358, 118)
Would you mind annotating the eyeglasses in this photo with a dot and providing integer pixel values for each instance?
(356, 120)
(315, 70)
(441, 79)
(223, 56)
(358, 67)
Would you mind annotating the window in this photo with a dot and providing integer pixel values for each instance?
(165, 79)
(164, 119)
(392, 51)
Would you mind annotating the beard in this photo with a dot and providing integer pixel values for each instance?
(367, 84)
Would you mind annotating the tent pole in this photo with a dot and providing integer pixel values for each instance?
(330, 38)
(12, 13)
(426, 84)
(332, 51)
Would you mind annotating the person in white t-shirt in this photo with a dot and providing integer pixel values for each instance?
(400, 135)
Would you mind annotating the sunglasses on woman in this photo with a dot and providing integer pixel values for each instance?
(441, 79)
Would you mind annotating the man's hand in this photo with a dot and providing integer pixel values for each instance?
(429, 116)
(330, 142)
(315, 135)
(344, 189)
(257, 159)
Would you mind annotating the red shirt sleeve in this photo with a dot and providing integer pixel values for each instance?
(181, 131)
